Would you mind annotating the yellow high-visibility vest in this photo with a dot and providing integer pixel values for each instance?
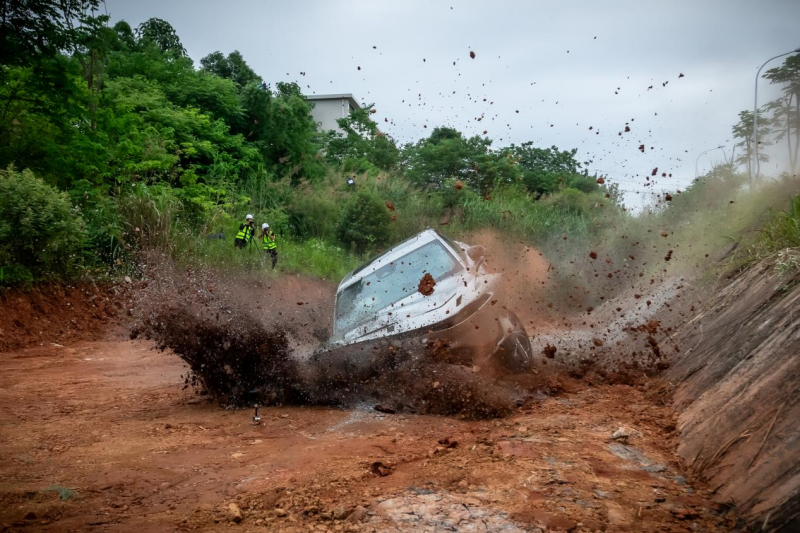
(269, 241)
(246, 233)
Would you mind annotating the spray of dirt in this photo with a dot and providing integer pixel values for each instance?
(262, 342)
(527, 274)
(245, 351)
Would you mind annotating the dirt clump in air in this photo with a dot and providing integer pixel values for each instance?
(426, 284)
(549, 351)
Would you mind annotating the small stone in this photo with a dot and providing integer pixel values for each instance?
(234, 513)
(339, 513)
(622, 434)
(602, 494)
(281, 512)
(357, 515)
(30, 515)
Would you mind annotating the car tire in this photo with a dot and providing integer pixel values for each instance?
(514, 352)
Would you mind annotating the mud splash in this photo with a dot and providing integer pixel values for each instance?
(243, 359)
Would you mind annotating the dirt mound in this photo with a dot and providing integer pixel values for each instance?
(57, 313)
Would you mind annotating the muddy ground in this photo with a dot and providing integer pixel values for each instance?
(100, 436)
(103, 433)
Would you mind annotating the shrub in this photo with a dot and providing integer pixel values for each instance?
(571, 200)
(314, 214)
(103, 224)
(148, 213)
(41, 235)
(365, 222)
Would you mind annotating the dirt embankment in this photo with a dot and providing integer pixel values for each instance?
(57, 313)
(738, 394)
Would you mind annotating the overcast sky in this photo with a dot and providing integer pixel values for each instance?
(544, 71)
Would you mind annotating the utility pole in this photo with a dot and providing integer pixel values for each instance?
(720, 147)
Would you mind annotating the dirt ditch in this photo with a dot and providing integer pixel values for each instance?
(111, 434)
(116, 444)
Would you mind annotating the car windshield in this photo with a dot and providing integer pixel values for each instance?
(391, 283)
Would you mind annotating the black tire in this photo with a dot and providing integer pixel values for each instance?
(514, 353)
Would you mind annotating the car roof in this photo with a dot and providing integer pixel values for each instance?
(397, 251)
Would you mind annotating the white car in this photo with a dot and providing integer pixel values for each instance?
(463, 318)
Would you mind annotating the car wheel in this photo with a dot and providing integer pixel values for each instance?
(514, 352)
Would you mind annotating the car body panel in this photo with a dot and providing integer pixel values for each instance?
(380, 300)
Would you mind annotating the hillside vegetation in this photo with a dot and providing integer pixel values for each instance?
(113, 142)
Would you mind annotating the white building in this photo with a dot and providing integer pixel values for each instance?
(328, 108)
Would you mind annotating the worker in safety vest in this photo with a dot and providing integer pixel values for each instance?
(270, 248)
(247, 232)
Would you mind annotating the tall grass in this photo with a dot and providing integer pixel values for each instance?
(779, 238)
(715, 214)
(148, 214)
(311, 257)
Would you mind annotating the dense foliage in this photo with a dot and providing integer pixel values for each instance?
(39, 229)
(124, 143)
(150, 149)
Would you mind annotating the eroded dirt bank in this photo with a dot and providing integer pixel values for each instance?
(58, 313)
(738, 393)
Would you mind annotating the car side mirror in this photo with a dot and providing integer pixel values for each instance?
(476, 252)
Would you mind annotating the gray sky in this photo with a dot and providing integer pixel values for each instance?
(565, 66)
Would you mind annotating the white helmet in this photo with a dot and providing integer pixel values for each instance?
(264, 225)
(248, 217)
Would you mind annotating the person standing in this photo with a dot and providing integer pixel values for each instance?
(270, 247)
(246, 233)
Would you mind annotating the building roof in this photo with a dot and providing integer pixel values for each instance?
(347, 96)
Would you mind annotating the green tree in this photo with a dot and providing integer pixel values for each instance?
(448, 154)
(41, 235)
(743, 131)
(361, 140)
(786, 110)
(545, 170)
(162, 35)
(233, 68)
(288, 140)
(365, 222)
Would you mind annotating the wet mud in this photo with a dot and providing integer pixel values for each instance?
(243, 362)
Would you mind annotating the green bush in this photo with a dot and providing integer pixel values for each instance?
(41, 234)
(314, 214)
(103, 224)
(365, 222)
(571, 200)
